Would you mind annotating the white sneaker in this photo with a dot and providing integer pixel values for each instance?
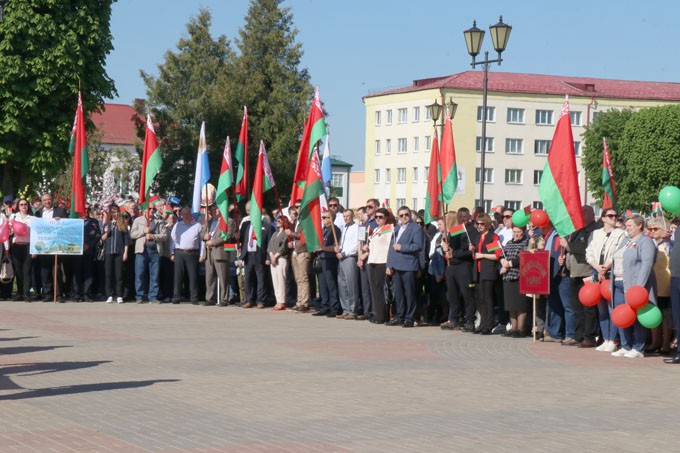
(119, 300)
(620, 353)
(633, 354)
(610, 346)
(109, 300)
(602, 346)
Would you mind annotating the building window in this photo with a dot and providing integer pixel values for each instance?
(377, 176)
(577, 149)
(516, 116)
(388, 175)
(537, 205)
(487, 205)
(377, 147)
(378, 118)
(544, 117)
(575, 118)
(514, 146)
(416, 144)
(537, 177)
(415, 174)
(401, 145)
(427, 114)
(513, 205)
(401, 175)
(428, 143)
(403, 115)
(388, 120)
(414, 204)
(490, 114)
(426, 175)
(401, 202)
(513, 176)
(416, 114)
(489, 144)
(337, 180)
(388, 146)
(488, 175)
(541, 147)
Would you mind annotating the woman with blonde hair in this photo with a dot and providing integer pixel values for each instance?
(116, 238)
(661, 336)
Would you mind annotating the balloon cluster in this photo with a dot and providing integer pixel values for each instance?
(538, 217)
(636, 306)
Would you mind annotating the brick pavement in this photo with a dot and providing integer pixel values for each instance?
(169, 378)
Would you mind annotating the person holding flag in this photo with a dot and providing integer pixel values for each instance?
(487, 253)
(216, 259)
(378, 247)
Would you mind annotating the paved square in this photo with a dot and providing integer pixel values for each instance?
(185, 378)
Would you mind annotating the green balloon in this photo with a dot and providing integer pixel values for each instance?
(520, 218)
(649, 316)
(669, 197)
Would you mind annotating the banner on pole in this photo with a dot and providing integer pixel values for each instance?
(56, 237)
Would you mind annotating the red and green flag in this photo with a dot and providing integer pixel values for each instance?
(493, 246)
(151, 162)
(559, 190)
(264, 181)
(241, 156)
(656, 208)
(314, 130)
(457, 230)
(310, 209)
(432, 206)
(81, 162)
(386, 229)
(447, 162)
(229, 247)
(223, 185)
(609, 198)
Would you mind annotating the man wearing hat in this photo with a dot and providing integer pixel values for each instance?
(216, 258)
(7, 205)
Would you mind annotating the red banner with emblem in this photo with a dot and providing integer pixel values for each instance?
(534, 272)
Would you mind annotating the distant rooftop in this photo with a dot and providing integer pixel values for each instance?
(508, 82)
(116, 124)
(340, 163)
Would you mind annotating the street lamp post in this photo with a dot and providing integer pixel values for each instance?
(435, 110)
(500, 33)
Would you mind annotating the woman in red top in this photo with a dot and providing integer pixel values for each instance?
(485, 271)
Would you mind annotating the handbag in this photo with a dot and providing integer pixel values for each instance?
(100, 251)
(6, 271)
(388, 289)
(316, 263)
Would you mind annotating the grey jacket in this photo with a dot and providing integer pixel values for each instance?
(638, 263)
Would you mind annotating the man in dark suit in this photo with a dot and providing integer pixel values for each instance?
(403, 263)
(328, 275)
(254, 260)
(46, 262)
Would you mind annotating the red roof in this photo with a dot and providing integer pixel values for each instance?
(116, 124)
(507, 82)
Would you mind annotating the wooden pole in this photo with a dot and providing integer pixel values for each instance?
(56, 276)
(533, 323)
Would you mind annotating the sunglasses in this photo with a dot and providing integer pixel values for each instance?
(507, 217)
(380, 217)
(405, 214)
(23, 204)
(333, 205)
(611, 216)
(370, 207)
(654, 229)
(326, 218)
(481, 223)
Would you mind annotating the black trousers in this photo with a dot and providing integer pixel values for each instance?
(83, 274)
(405, 294)
(166, 277)
(586, 319)
(438, 308)
(186, 264)
(328, 285)
(254, 276)
(485, 292)
(46, 263)
(365, 291)
(113, 271)
(22, 268)
(458, 280)
(376, 277)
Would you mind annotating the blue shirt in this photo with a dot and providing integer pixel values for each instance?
(185, 236)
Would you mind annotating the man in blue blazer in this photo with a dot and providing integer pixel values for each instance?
(403, 264)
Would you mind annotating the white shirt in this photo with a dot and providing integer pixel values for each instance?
(505, 234)
(26, 221)
(339, 220)
(48, 213)
(349, 241)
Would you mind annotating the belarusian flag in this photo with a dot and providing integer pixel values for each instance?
(223, 186)
(81, 162)
(656, 208)
(229, 247)
(310, 210)
(456, 230)
(315, 130)
(559, 189)
(432, 208)
(264, 181)
(493, 246)
(241, 156)
(386, 229)
(609, 198)
(447, 161)
(151, 162)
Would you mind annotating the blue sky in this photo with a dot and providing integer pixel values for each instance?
(352, 47)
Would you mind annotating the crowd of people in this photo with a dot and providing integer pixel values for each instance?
(460, 272)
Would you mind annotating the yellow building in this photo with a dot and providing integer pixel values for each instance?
(522, 111)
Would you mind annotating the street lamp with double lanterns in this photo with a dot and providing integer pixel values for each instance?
(500, 33)
(435, 110)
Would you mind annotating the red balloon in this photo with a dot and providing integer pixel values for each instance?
(623, 316)
(20, 229)
(539, 218)
(606, 290)
(4, 231)
(589, 295)
(637, 297)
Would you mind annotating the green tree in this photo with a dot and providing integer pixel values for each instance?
(268, 79)
(184, 94)
(48, 48)
(609, 125)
